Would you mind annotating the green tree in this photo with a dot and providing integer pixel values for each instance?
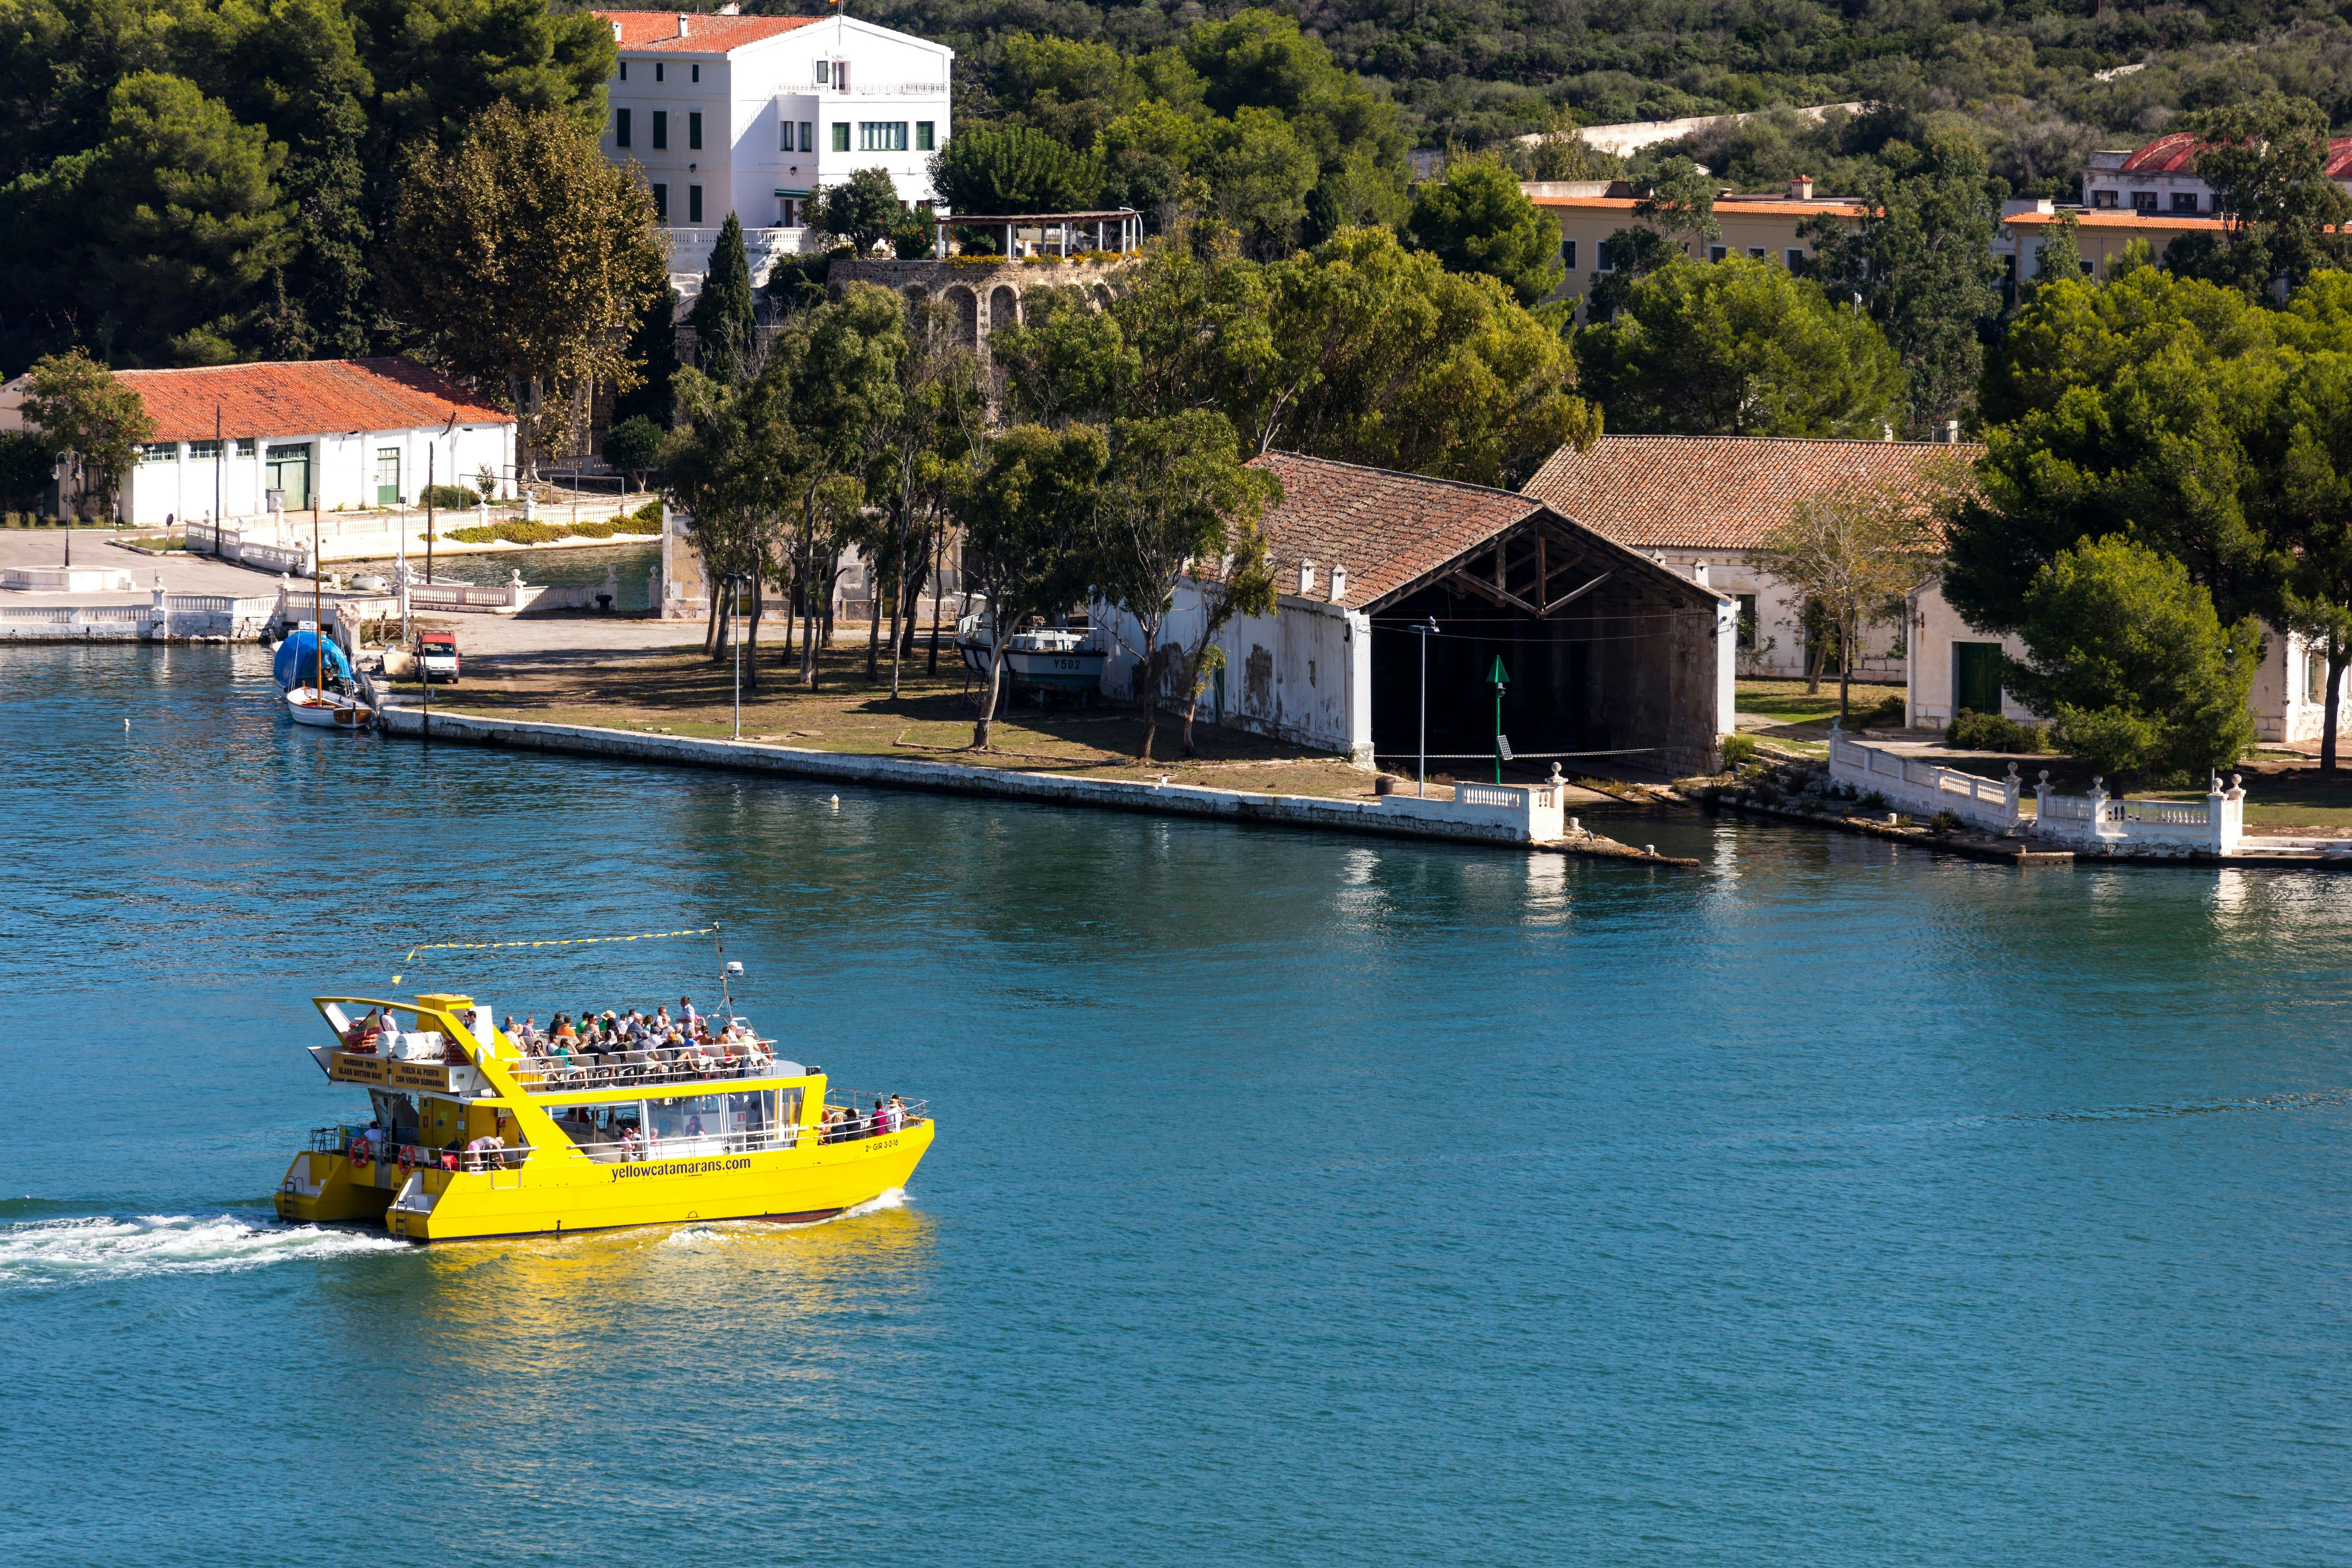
(1011, 169)
(1176, 495)
(843, 364)
(27, 463)
(723, 470)
(863, 210)
(1260, 173)
(1853, 554)
(925, 437)
(1632, 254)
(1027, 509)
(81, 410)
(2267, 162)
(2129, 657)
(1388, 358)
(440, 64)
(155, 238)
(1680, 204)
(1738, 347)
(723, 320)
(653, 348)
(522, 257)
(1920, 260)
(1476, 220)
(633, 446)
(1065, 87)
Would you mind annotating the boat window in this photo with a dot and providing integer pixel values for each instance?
(689, 1124)
(751, 1113)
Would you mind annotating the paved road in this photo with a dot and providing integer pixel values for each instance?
(94, 547)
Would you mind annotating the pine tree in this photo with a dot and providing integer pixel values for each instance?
(723, 314)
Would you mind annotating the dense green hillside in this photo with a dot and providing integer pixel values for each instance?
(1471, 72)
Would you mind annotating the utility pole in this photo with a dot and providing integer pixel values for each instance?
(1425, 633)
(217, 454)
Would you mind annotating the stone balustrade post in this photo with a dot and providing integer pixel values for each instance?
(514, 590)
(159, 617)
(2229, 813)
(2011, 787)
(2098, 804)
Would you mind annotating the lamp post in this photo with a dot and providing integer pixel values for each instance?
(735, 581)
(1501, 680)
(1424, 632)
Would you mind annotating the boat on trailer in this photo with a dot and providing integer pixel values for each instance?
(476, 1134)
(1043, 659)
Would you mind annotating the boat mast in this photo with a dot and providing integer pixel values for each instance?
(318, 614)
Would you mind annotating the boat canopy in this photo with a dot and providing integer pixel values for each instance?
(297, 657)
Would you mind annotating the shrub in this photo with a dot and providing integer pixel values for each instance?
(1974, 732)
(1738, 751)
(1945, 822)
(650, 512)
(514, 532)
(453, 497)
(1888, 714)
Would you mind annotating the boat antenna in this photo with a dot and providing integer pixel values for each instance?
(727, 997)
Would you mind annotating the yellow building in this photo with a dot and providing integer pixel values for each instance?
(1765, 228)
(2101, 234)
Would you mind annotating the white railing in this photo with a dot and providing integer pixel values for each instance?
(1925, 788)
(2172, 813)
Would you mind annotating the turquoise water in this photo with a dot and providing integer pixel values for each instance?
(1298, 1200)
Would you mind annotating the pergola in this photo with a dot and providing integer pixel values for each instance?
(1059, 229)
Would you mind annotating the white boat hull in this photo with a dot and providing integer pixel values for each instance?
(328, 709)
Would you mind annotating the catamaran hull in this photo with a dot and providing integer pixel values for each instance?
(572, 1194)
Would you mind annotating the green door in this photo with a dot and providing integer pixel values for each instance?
(387, 475)
(1976, 676)
(289, 470)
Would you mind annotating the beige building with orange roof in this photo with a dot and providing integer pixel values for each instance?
(1763, 228)
(2101, 234)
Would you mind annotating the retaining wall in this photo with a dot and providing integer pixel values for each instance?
(1511, 815)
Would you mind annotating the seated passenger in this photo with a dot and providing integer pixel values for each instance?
(563, 1029)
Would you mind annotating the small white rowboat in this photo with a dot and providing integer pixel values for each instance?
(328, 709)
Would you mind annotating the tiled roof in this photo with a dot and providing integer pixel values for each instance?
(1718, 493)
(2164, 155)
(302, 397)
(1384, 529)
(1832, 207)
(2115, 217)
(2176, 153)
(704, 34)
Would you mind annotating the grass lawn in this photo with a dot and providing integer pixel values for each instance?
(680, 691)
(2286, 797)
(1786, 702)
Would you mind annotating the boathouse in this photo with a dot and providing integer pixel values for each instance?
(1600, 648)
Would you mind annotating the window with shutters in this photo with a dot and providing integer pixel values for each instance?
(620, 128)
(841, 136)
(661, 128)
(693, 132)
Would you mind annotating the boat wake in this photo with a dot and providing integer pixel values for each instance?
(720, 1234)
(108, 1247)
(896, 1198)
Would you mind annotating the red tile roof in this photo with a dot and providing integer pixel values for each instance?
(1719, 492)
(1819, 206)
(2164, 155)
(704, 34)
(1384, 529)
(2176, 153)
(2116, 218)
(303, 397)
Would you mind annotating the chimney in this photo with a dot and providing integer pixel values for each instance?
(617, 32)
(1698, 573)
(1886, 432)
(1339, 583)
(1801, 187)
(681, 24)
(1952, 432)
(1305, 578)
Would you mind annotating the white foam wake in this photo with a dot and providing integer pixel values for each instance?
(896, 1198)
(104, 1247)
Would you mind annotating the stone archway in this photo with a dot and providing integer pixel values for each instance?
(965, 305)
(1003, 307)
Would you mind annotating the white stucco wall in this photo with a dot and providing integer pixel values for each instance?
(1303, 674)
(1780, 649)
(1936, 626)
(343, 471)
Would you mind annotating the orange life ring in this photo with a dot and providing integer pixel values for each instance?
(359, 1155)
(408, 1158)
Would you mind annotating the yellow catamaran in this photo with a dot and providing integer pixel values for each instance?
(474, 1134)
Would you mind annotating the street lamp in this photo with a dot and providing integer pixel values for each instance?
(1421, 787)
(735, 581)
